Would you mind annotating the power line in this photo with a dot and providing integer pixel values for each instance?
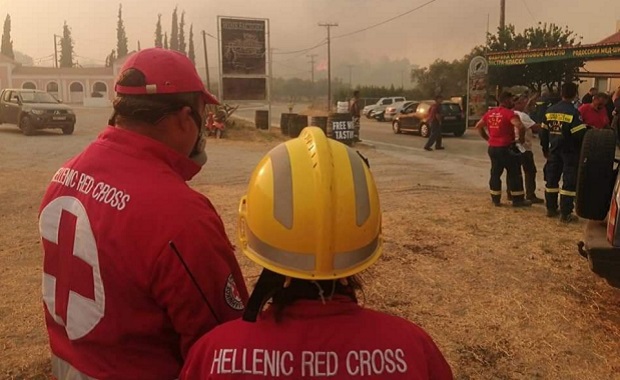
(528, 9)
(386, 21)
(303, 51)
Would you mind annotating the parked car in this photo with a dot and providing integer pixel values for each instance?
(395, 109)
(380, 105)
(34, 109)
(414, 118)
(598, 200)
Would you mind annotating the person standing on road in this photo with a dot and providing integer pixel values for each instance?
(589, 97)
(355, 110)
(121, 231)
(561, 137)
(501, 123)
(313, 325)
(434, 120)
(527, 156)
(595, 113)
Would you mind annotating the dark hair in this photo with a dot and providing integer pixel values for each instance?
(505, 95)
(569, 90)
(600, 95)
(592, 88)
(148, 109)
(356, 93)
(312, 290)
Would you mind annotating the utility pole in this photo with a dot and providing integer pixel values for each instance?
(502, 14)
(204, 45)
(311, 56)
(56, 50)
(329, 64)
(350, 82)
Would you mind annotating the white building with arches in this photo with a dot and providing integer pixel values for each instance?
(89, 86)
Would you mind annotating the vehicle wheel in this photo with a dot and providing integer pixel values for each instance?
(396, 127)
(595, 175)
(368, 115)
(460, 132)
(68, 129)
(425, 131)
(26, 126)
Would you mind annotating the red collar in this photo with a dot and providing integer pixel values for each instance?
(143, 147)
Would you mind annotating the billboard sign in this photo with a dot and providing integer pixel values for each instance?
(477, 88)
(243, 44)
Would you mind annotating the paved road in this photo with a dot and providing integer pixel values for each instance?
(467, 151)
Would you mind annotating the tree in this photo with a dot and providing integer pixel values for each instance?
(166, 40)
(109, 60)
(191, 52)
(66, 47)
(139, 48)
(538, 75)
(174, 33)
(158, 34)
(182, 44)
(121, 36)
(7, 43)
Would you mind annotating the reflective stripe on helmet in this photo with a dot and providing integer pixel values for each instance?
(362, 200)
(346, 260)
(291, 260)
(65, 371)
(306, 261)
(282, 186)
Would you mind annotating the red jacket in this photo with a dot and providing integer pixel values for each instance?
(340, 340)
(499, 124)
(595, 118)
(118, 302)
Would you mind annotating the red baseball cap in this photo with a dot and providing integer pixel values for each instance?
(166, 72)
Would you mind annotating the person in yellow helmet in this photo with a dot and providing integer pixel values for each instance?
(312, 219)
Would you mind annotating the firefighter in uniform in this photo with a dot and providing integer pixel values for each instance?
(311, 252)
(120, 226)
(561, 137)
(501, 123)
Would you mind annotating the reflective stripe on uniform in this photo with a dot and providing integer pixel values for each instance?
(493, 192)
(578, 128)
(65, 371)
(568, 193)
(517, 193)
(548, 190)
(562, 117)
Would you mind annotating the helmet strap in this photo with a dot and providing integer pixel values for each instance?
(268, 282)
(321, 292)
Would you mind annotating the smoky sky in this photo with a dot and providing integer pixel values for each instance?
(445, 29)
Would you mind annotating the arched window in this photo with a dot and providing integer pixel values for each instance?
(52, 87)
(29, 86)
(76, 87)
(100, 90)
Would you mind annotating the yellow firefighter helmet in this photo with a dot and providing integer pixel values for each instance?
(311, 210)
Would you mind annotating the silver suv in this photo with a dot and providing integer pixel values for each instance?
(371, 110)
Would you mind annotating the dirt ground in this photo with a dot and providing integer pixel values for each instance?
(502, 291)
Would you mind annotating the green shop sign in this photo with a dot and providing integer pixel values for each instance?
(526, 57)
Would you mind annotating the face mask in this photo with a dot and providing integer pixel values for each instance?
(199, 155)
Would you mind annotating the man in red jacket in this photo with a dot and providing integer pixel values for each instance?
(311, 253)
(594, 114)
(497, 127)
(121, 232)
